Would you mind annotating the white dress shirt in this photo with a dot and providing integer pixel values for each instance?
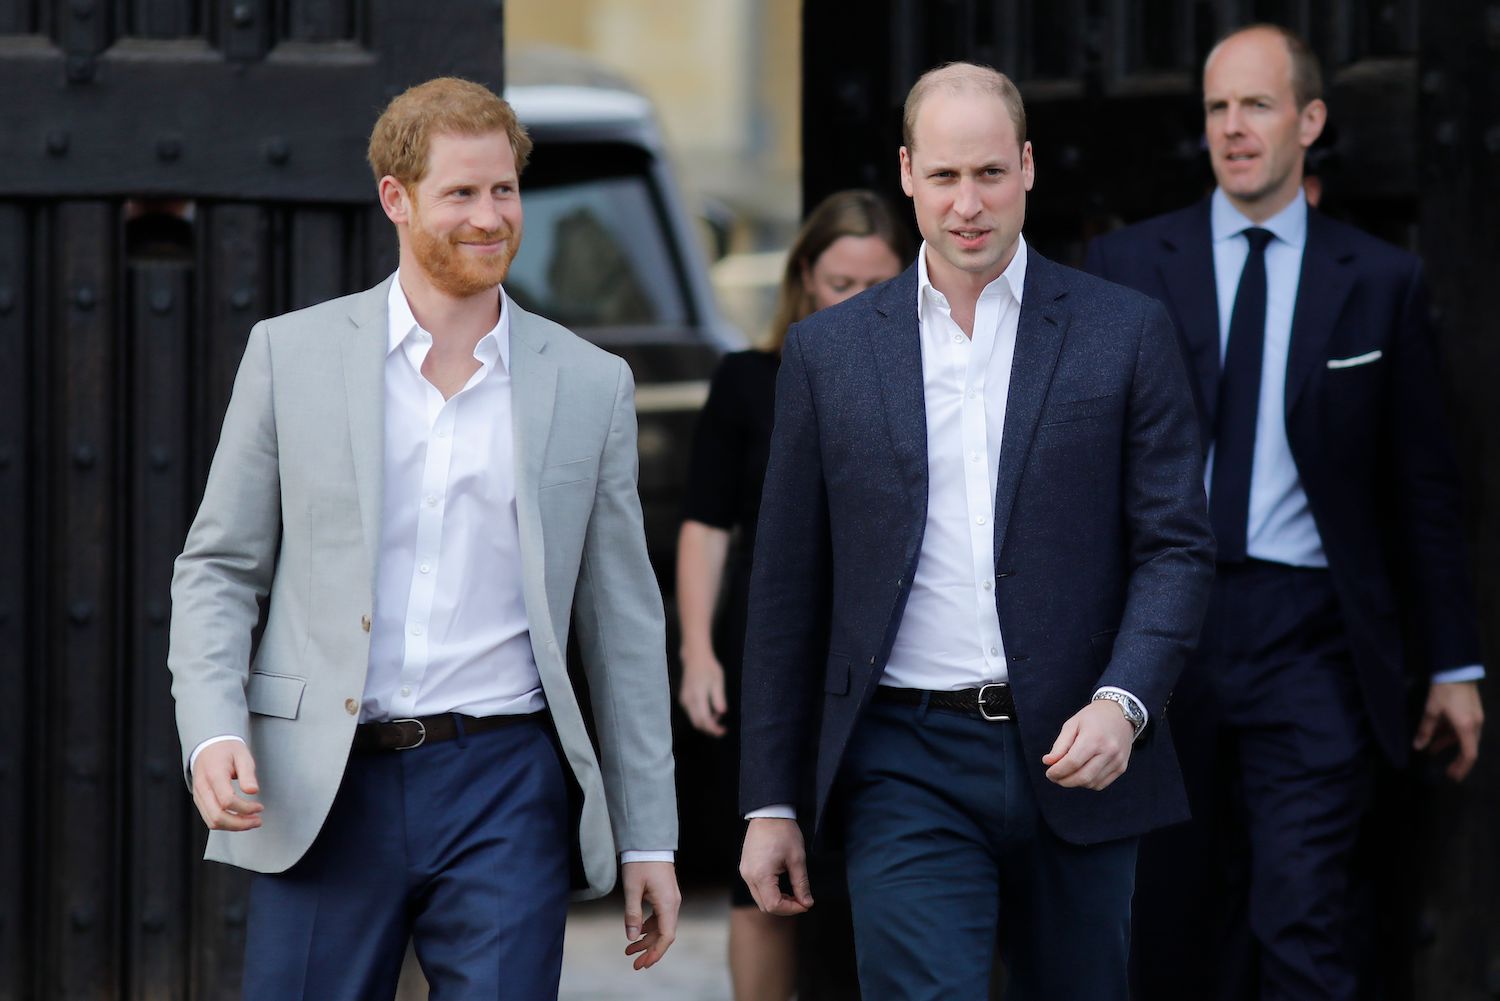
(1280, 526)
(949, 636)
(448, 631)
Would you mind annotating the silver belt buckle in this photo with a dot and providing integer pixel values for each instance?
(998, 717)
(421, 733)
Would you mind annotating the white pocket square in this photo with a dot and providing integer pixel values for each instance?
(1363, 359)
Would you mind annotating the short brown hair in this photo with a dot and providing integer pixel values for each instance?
(403, 135)
(1307, 74)
(963, 77)
(856, 212)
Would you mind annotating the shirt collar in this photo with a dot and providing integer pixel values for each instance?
(1012, 279)
(493, 346)
(1289, 225)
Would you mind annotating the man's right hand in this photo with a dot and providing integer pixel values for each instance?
(772, 847)
(214, 773)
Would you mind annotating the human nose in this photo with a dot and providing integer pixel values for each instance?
(966, 199)
(486, 215)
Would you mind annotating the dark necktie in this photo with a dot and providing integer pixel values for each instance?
(1239, 399)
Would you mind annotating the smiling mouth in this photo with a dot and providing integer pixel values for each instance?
(969, 234)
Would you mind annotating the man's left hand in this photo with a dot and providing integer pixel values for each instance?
(1093, 748)
(653, 883)
(1453, 715)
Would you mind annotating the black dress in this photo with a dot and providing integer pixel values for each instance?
(731, 447)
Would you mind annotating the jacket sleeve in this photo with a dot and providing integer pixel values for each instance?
(621, 634)
(789, 599)
(1170, 545)
(228, 561)
(1428, 507)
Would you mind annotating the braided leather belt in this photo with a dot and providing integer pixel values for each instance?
(992, 702)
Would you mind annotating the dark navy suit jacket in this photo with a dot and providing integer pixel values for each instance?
(1369, 440)
(1103, 554)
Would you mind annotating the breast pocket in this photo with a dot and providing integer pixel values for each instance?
(561, 474)
(1073, 411)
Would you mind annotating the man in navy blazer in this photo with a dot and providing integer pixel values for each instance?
(1334, 500)
(983, 557)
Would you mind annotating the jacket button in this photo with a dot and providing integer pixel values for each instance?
(351, 706)
(364, 623)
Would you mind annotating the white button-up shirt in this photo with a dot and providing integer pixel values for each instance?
(449, 630)
(949, 637)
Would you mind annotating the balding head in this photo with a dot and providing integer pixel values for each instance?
(1306, 74)
(963, 78)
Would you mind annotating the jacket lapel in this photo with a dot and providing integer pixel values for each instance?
(1322, 289)
(533, 384)
(1186, 269)
(1039, 337)
(895, 341)
(363, 349)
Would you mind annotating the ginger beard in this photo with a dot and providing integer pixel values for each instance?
(455, 271)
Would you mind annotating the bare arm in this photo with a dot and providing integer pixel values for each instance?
(701, 554)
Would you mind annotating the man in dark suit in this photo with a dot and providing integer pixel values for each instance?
(1335, 507)
(982, 559)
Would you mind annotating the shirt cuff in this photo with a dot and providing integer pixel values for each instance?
(640, 856)
(1469, 672)
(193, 758)
(1145, 716)
(776, 811)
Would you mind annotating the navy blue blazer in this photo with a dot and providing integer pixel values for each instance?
(1103, 552)
(1369, 441)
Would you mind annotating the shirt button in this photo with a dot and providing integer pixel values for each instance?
(405, 689)
(994, 651)
(425, 568)
(442, 434)
(981, 519)
(988, 585)
(432, 500)
(958, 338)
(416, 630)
(971, 396)
(973, 456)
(364, 623)
(351, 707)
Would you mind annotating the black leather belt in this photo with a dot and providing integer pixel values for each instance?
(992, 702)
(405, 734)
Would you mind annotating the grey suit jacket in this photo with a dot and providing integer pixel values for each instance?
(291, 518)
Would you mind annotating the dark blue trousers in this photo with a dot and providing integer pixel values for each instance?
(948, 854)
(460, 847)
(1252, 898)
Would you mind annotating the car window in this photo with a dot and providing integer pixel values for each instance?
(594, 254)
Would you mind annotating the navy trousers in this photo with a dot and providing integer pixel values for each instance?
(460, 847)
(948, 854)
(1252, 898)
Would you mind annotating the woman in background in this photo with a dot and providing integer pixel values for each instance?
(850, 242)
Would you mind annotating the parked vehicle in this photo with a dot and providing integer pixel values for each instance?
(611, 251)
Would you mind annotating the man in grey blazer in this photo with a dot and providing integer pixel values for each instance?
(418, 491)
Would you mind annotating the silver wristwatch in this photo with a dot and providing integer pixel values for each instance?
(1129, 707)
